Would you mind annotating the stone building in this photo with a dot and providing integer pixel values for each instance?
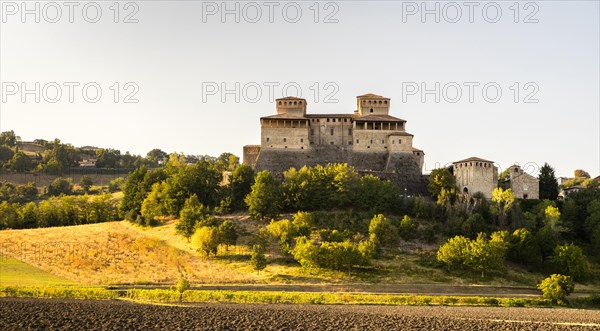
(476, 175)
(522, 184)
(369, 139)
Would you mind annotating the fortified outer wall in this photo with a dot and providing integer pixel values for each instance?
(401, 168)
(251, 155)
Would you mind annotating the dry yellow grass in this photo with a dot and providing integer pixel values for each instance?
(115, 253)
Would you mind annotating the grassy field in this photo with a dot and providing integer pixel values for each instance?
(15, 272)
(112, 253)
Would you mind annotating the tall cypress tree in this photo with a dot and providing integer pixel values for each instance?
(548, 183)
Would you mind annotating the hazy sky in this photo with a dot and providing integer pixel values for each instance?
(178, 56)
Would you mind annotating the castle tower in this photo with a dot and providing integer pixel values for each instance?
(372, 104)
(291, 106)
(476, 175)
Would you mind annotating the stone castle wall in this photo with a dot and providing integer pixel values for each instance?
(401, 168)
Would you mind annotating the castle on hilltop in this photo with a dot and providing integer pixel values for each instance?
(369, 139)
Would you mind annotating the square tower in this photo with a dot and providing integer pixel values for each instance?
(372, 104)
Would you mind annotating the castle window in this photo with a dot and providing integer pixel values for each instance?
(371, 141)
(393, 141)
(349, 142)
(312, 131)
(285, 146)
(385, 102)
(357, 141)
(318, 119)
(379, 101)
(371, 110)
(295, 102)
(345, 120)
(382, 141)
(268, 139)
(331, 143)
(327, 120)
(284, 139)
(350, 132)
(331, 130)
(301, 140)
(280, 103)
(399, 141)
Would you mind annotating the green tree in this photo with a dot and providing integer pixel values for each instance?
(206, 240)
(581, 173)
(503, 201)
(9, 138)
(107, 158)
(86, 183)
(548, 183)
(227, 234)
(339, 255)
(116, 184)
(156, 204)
(524, 248)
(306, 253)
(156, 156)
(202, 179)
(556, 288)
(284, 231)
(28, 215)
(6, 153)
(242, 179)
(441, 179)
(407, 228)
(258, 261)
(137, 186)
(453, 253)
(382, 232)
(375, 195)
(264, 199)
(60, 186)
(569, 259)
(182, 285)
(191, 213)
(484, 255)
(20, 162)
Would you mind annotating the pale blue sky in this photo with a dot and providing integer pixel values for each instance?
(171, 52)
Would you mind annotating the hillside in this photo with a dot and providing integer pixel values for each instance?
(124, 253)
(111, 253)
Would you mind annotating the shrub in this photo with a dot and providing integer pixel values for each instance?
(407, 228)
(182, 285)
(116, 184)
(60, 186)
(205, 240)
(569, 259)
(86, 183)
(453, 252)
(556, 287)
(258, 259)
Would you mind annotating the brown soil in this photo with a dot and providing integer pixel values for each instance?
(38, 314)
